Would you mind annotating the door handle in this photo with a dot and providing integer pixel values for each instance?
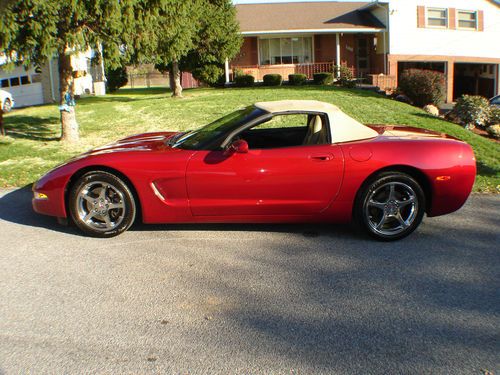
(322, 157)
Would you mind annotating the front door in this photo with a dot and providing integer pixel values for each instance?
(288, 179)
(362, 56)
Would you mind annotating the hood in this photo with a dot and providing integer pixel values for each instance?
(407, 132)
(139, 142)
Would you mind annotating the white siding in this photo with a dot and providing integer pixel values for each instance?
(24, 94)
(407, 39)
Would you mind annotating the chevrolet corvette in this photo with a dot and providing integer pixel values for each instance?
(271, 162)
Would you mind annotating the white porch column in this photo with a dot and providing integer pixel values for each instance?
(337, 54)
(226, 70)
(498, 80)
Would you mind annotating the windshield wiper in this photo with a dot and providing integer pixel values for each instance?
(171, 141)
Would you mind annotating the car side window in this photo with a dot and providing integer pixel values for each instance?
(287, 130)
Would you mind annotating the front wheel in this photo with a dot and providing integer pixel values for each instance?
(390, 206)
(101, 204)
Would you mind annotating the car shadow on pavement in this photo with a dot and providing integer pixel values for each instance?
(15, 207)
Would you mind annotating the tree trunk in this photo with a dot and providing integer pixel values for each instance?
(2, 130)
(175, 80)
(69, 126)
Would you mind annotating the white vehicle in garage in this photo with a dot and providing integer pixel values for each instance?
(6, 101)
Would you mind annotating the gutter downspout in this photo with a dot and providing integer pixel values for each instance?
(386, 33)
(51, 78)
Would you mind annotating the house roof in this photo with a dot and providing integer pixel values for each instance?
(306, 16)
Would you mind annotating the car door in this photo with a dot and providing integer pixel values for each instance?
(281, 180)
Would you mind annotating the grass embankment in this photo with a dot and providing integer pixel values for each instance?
(31, 147)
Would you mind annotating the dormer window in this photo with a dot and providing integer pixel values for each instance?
(467, 19)
(437, 17)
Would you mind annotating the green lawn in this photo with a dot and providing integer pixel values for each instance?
(31, 147)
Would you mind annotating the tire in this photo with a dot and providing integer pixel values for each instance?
(101, 204)
(390, 206)
(7, 105)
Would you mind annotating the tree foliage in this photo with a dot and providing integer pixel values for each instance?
(197, 36)
(33, 31)
(217, 38)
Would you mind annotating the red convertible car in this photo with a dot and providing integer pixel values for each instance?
(283, 161)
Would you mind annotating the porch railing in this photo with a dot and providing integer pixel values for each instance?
(259, 71)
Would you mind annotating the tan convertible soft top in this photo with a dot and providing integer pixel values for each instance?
(343, 127)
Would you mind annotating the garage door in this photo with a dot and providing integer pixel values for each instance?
(27, 95)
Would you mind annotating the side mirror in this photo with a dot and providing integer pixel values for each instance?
(239, 146)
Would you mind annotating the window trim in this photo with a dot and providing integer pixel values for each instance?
(446, 18)
(475, 12)
(267, 39)
(269, 115)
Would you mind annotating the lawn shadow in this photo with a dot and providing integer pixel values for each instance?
(31, 127)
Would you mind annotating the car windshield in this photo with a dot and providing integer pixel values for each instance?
(212, 135)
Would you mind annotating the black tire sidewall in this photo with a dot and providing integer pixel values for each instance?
(372, 185)
(130, 206)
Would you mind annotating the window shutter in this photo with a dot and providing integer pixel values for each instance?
(452, 18)
(480, 20)
(420, 16)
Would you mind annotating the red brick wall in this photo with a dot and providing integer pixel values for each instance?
(249, 54)
(324, 48)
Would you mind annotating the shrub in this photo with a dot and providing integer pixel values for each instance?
(244, 80)
(471, 111)
(323, 78)
(210, 74)
(494, 117)
(116, 78)
(346, 78)
(494, 131)
(272, 80)
(297, 79)
(423, 86)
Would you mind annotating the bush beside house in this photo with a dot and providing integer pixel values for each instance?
(471, 111)
(272, 80)
(324, 78)
(423, 87)
(297, 79)
(244, 80)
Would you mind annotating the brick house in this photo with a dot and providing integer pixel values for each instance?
(377, 40)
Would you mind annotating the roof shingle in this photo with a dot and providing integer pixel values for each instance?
(305, 16)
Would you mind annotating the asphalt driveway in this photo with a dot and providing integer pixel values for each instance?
(291, 299)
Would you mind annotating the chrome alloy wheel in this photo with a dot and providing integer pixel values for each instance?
(391, 208)
(101, 205)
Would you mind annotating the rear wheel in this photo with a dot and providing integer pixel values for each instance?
(101, 204)
(390, 206)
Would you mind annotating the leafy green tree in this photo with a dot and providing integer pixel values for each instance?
(217, 39)
(32, 31)
(178, 22)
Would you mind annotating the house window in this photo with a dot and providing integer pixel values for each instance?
(5, 83)
(14, 81)
(293, 50)
(437, 17)
(25, 80)
(467, 19)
